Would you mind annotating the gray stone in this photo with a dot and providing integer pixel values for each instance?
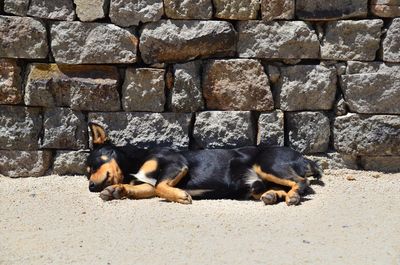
(277, 9)
(391, 42)
(92, 43)
(188, 9)
(381, 163)
(351, 40)
(331, 9)
(90, 10)
(274, 73)
(271, 129)
(64, 129)
(223, 129)
(16, 164)
(22, 37)
(81, 87)
(16, 7)
(236, 9)
(309, 132)
(277, 40)
(52, 9)
(236, 84)
(385, 8)
(70, 163)
(375, 135)
(372, 87)
(143, 90)
(340, 108)
(127, 13)
(10, 82)
(19, 127)
(186, 94)
(184, 40)
(306, 87)
(335, 161)
(145, 130)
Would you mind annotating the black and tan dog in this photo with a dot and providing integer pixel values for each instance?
(269, 174)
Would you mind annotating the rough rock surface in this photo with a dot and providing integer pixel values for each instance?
(271, 128)
(381, 163)
(223, 129)
(70, 163)
(351, 40)
(19, 127)
(16, 7)
(24, 163)
(385, 8)
(236, 84)
(331, 9)
(306, 87)
(51, 9)
(375, 135)
(145, 130)
(183, 40)
(277, 40)
(335, 161)
(22, 37)
(10, 82)
(90, 10)
(92, 43)
(391, 42)
(127, 13)
(143, 90)
(309, 132)
(188, 9)
(236, 9)
(277, 9)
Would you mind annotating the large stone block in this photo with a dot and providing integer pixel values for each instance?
(277, 40)
(335, 161)
(52, 9)
(277, 9)
(64, 129)
(70, 163)
(223, 129)
(331, 9)
(184, 40)
(24, 163)
(146, 130)
(92, 43)
(10, 82)
(19, 127)
(385, 8)
(351, 40)
(372, 87)
(143, 90)
(90, 10)
(306, 87)
(236, 84)
(22, 37)
(381, 163)
(188, 9)
(271, 128)
(391, 42)
(309, 132)
(236, 9)
(375, 135)
(81, 87)
(16, 7)
(127, 13)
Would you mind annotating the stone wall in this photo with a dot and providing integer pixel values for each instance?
(320, 76)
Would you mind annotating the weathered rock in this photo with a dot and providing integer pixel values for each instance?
(309, 132)
(277, 9)
(391, 42)
(143, 90)
(90, 10)
(331, 9)
(92, 43)
(271, 129)
(22, 37)
(236, 84)
(127, 13)
(188, 9)
(186, 94)
(372, 87)
(381, 163)
(351, 40)
(24, 163)
(335, 161)
(10, 82)
(274, 73)
(50, 9)
(145, 130)
(64, 129)
(70, 163)
(236, 9)
(277, 40)
(81, 87)
(340, 108)
(16, 7)
(385, 8)
(19, 127)
(306, 87)
(184, 40)
(375, 135)
(223, 129)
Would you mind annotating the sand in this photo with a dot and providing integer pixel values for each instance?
(353, 219)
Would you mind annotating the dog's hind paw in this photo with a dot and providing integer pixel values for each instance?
(293, 199)
(185, 198)
(269, 198)
(112, 192)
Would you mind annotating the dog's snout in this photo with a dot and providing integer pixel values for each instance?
(92, 186)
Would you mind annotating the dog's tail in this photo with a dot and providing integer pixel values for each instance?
(313, 169)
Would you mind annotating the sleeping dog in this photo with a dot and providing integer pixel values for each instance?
(268, 174)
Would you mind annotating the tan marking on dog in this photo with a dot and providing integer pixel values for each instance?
(141, 191)
(165, 189)
(149, 166)
(114, 175)
(272, 178)
(99, 135)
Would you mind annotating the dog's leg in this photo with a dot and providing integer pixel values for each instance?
(119, 191)
(272, 196)
(165, 189)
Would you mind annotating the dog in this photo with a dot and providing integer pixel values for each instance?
(268, 174)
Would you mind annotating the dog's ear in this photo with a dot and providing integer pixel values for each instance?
(99, 135)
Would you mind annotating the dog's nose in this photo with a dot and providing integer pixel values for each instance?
(92, 186)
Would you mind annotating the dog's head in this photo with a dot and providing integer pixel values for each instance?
(102, 163)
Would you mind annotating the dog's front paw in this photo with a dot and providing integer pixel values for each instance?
(269, 198)
(184, 198)
(293, 199)
(112, 192)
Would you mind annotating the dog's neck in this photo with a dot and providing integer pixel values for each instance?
(130, 160)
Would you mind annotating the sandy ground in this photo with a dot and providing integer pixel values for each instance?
(56, 220)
